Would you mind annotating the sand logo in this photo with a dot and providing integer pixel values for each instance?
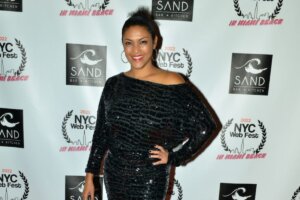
(229, 191)
(250, 74)
(11, 128)
(86, 65)
(178, 10)
(11, 5)
(75, 184)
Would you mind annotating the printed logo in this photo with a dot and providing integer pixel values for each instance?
(77, 130)
(175, 191)
(12, 60)
(175, 60)
(237, 191)
(173, 9)
(257, 12)
(87, 8)
(296, 195)
(13, 185)
(75, 185)
(243, 139)
(11, 5)
(250, 74)
(11, 128)
(86, 65)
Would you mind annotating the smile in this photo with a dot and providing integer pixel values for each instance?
(137, 58)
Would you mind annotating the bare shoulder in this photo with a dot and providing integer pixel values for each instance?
(172, 78)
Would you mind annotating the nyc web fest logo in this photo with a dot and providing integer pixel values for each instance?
(250, 74)
(11, 5)
(243, 139)
(13, 185)
(175, 191)
(257, 13)
(77, 130)
(11, 128)
(169, 58)
(236, 191)
(296, 195)
(13, 60)
(87, 8)
(75, 184)
(86, 65)
(173, 10)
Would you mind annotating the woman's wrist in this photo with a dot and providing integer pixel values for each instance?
(89, 177)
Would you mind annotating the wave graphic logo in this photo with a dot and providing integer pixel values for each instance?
(249, 66)
(4, 122)
(84, 59)
(79, 187)
(75, 184)
(237, 191)
(236, 196)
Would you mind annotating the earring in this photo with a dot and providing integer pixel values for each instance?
(122, 57)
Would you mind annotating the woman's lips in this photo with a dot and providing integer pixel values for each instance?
(137, 58)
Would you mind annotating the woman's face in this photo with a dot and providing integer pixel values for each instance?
(138, 46)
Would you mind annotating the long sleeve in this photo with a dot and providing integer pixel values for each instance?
(99, 142)
(197, 124)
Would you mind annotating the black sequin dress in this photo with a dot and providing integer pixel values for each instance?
(135, 115)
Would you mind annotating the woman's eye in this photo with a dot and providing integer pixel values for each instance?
(144, 42)
(127, 43)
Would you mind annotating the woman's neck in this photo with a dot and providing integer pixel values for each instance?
(142, 73)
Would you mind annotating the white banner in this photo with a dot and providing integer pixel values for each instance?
(242, 55)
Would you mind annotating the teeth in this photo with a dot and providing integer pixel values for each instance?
(137, 57)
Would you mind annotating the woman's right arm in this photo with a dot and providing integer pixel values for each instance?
(99, 147)
(99, 142)
(89, 188)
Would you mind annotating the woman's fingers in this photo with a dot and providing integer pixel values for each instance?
(158, 163)
(92, 196)
(159, 147)
(88, 191)
(161, 154)
(86, 197)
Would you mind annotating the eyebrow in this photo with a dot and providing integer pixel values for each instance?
(138, 39)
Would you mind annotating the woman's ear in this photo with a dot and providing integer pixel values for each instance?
(155, 42)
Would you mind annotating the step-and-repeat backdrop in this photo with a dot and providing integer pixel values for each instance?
(55, 57)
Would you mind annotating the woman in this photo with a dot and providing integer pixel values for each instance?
(143, 115)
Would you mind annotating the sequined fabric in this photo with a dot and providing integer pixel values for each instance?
(133, 116)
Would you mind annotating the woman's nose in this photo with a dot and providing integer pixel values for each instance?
(136, 48)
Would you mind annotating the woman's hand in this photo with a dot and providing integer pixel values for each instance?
(89, 188)
(161, 154)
